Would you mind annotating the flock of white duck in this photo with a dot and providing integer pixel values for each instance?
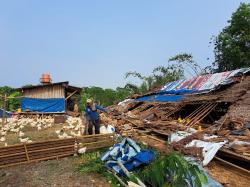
(73, 127)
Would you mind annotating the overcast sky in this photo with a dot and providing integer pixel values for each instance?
(93, 43)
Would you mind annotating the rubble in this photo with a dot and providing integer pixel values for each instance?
(224, 113)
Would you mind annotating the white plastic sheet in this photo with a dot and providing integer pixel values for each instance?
(125, 102)
(209, 148)
(106, 130)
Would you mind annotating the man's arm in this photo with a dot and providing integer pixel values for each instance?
(100, 108)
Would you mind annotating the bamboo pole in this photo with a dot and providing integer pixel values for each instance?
(232, 165)
(26, 151)
(119, 179)
(70, 95)
(199, 112)
(128, 174)
(9, 155)
(53, 148)
(4, 108)
(174, 111)
(203, 115)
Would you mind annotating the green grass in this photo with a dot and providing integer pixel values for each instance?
(168, 171)
(91, 163)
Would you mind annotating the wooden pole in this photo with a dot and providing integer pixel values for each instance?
(4, 109)
(128, 174)
(70, 95)
(119, 179)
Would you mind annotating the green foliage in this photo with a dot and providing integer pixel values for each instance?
(132, 87)
(82, 99)
(103, 97)
(164, 74)
(91, 163)
(12, 104)
(232, 45)
(28, 86)
(172, 170)
(185, 59)
(6, 90)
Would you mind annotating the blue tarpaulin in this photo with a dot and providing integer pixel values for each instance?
(43, 105)
(179, 92)
(161, 98)
(129, 154)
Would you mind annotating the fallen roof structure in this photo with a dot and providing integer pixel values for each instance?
(215, 105)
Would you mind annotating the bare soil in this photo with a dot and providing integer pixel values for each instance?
(53, 173)
(35, 135)
(228, 176)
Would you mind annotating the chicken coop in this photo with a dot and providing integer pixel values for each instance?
(48, 97)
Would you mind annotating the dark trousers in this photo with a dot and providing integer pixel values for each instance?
(95, 123)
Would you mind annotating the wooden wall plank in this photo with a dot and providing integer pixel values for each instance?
(56, 91)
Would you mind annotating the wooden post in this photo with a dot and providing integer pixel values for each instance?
(70, 95)
(26, 152)
(4, 109)
(128, 174)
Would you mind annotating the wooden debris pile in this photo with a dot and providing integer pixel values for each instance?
(193, 151)
(224, 112)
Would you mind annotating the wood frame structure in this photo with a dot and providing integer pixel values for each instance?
(51, 91)
(52, 149)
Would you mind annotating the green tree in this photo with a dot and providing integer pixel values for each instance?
(172, 170)
(122, 93)
(160, 76)
(134, 89)
(104, 97)
(12, 103)
(163, 75)
(147, 82)
(185, 59)
(232, 45)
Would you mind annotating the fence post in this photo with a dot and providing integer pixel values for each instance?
(4, 110)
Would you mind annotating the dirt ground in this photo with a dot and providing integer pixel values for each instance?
(53, 173)
(33, 134)
(227, 176)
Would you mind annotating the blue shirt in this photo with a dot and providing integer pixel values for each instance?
(93, 114)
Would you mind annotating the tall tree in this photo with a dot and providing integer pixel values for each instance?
(232, 45)
(160, 76)
(185, 59)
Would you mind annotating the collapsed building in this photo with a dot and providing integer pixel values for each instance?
(215, 104)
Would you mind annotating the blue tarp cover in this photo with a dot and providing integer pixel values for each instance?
(128, 153)
(161, 98)
(43, 105)
(179, 92)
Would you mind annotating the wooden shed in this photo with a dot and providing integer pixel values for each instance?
(48, 98)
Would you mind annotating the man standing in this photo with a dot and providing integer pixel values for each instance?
(93, 117)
